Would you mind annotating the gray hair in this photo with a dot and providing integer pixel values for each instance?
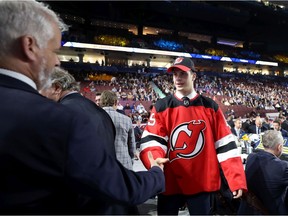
(271, 139)
(65, 80)
(29, 17)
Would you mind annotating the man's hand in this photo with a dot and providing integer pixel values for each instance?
(237, 194)
(158, 162)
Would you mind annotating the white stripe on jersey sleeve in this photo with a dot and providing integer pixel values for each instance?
(146, 133)
(224, 141)
(227, 155)
(152, 144)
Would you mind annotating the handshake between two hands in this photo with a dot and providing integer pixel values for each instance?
(158, 161)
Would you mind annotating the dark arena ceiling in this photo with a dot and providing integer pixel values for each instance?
(250, 21)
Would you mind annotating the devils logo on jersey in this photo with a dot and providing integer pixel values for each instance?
(187, 140)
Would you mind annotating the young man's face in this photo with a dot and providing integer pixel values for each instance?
(97, 100)
(183, 81)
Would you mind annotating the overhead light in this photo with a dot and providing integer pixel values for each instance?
(227, 43)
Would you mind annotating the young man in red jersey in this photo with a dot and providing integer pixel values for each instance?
(190, 129)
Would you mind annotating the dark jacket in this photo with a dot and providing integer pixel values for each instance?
(284, 132)
(138, 133)
(105, 126)
(252, 129)
(234, 132)
(49, 154)
(267, 178)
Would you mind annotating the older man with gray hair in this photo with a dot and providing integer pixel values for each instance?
(48, 152)
(267, 177)
(65, 90)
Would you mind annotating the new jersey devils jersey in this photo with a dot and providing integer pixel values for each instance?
(195, 137)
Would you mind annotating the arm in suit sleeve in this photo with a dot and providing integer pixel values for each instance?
(93, 172)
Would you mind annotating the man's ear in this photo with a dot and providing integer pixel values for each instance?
(116, 103)
(29, 47)
(279, 147)
(193, 76)
(58, 88)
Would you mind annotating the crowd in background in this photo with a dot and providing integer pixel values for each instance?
(250, 91)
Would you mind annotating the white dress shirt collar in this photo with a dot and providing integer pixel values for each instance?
(190, 96)
(18, 76)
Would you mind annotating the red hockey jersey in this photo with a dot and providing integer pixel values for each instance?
(195, 137)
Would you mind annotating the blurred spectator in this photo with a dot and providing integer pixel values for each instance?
(97, 98)
(138, 133)
(267, 178)
(140, 108)
(125, 138)
(266, 123)
(237, 129)
(277, 127)
(127, 107)
(258, 128)
(284, 122)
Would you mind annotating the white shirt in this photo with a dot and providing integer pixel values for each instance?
(237, 132)
(18, 76)
(190, 96)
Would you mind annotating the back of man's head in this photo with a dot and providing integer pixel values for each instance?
(108, 99)
(29, 17)
(64, 80)
(271, 139)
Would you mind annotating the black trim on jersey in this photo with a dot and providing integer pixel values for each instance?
(231, 145)
(172, 102)
(155, 138)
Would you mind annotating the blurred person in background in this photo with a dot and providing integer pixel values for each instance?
(138, 133)
(258, 127)
(237, 129)
(65, 90)
(267, 178)
(277, 127)
(124, 144)
(97, 98)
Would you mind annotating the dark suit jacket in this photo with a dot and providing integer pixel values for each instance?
(252, 129)
(138, 133)
(284, 125)
(234, 132)
(284, 132)
(267, 178)
(104, 126)
(49, 154)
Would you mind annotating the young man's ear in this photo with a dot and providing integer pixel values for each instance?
(193, 76)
